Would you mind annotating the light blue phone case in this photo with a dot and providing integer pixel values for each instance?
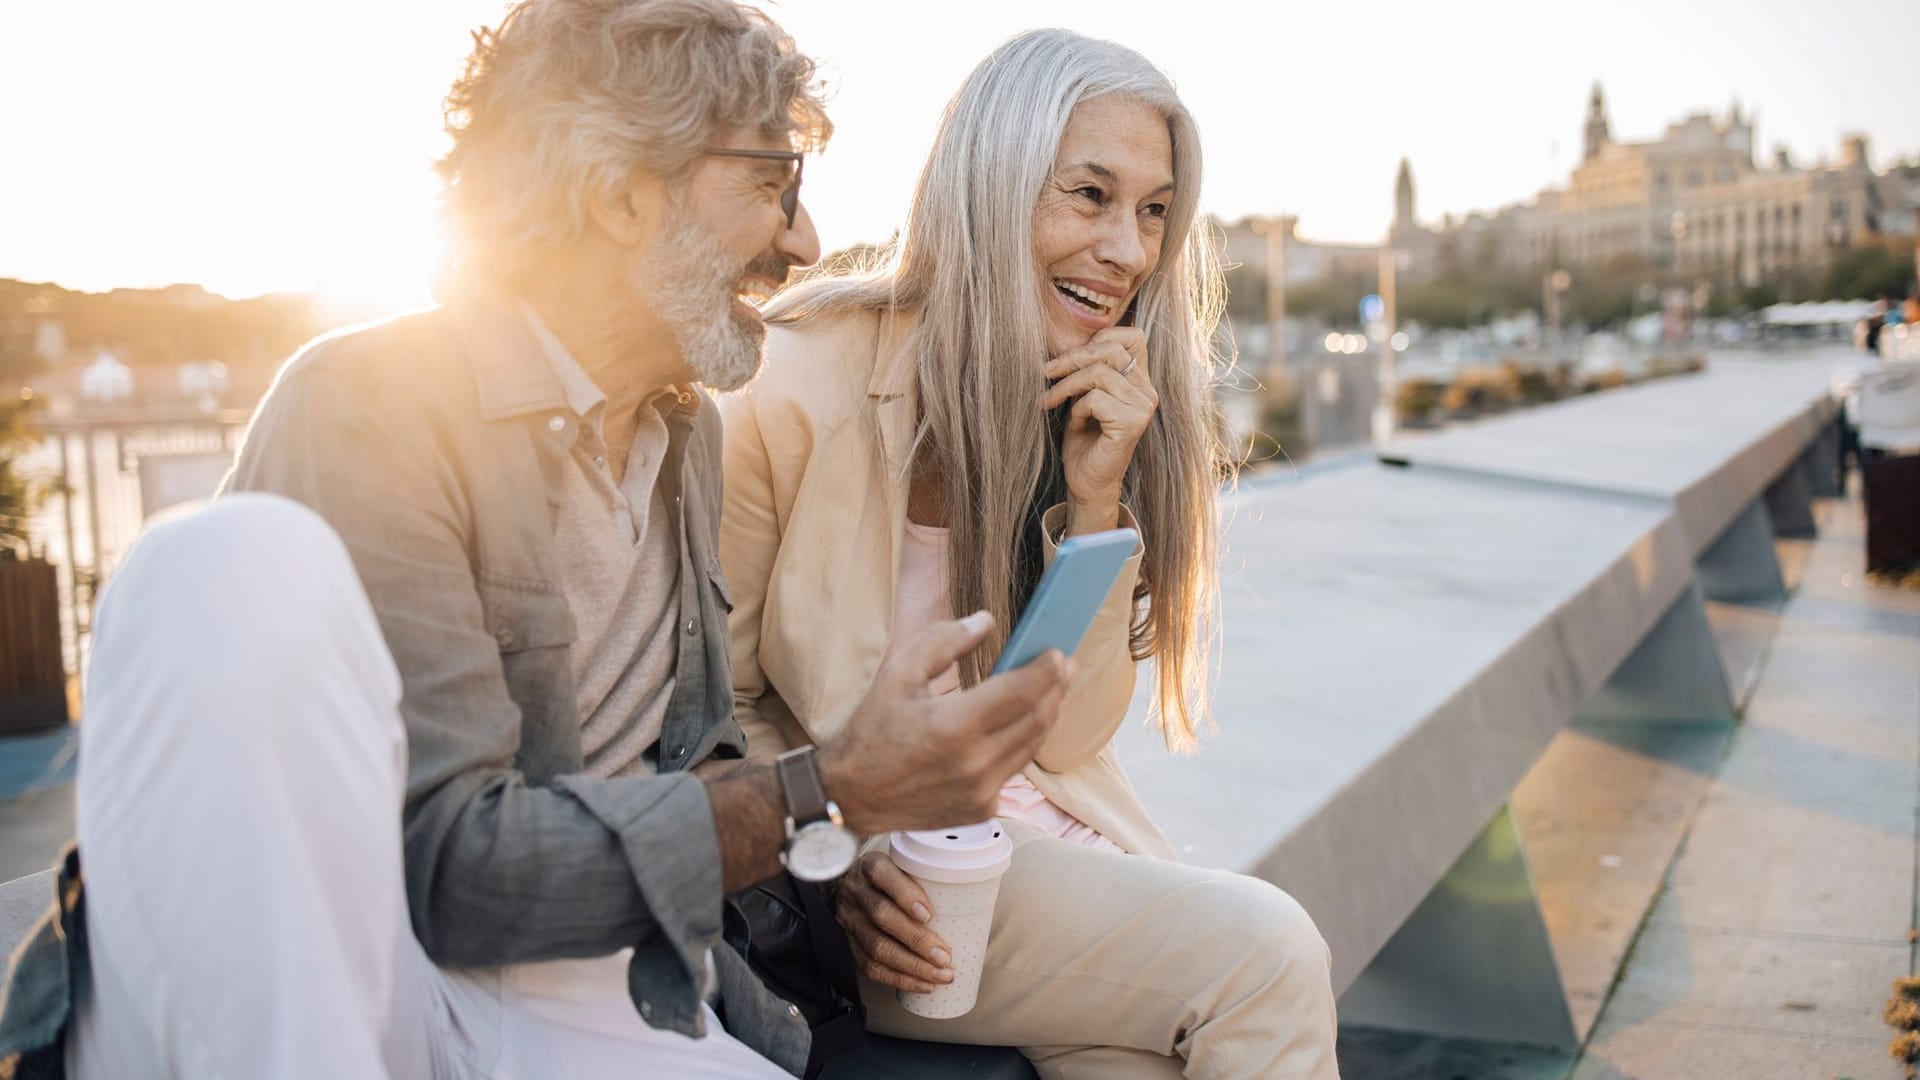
(1068, 596)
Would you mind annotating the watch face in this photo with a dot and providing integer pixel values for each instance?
(820, 851)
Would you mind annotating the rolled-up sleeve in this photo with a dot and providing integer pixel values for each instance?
(498, 870)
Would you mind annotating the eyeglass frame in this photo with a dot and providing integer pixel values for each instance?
(790, 198)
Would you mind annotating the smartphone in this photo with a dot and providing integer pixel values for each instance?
(1068, 597)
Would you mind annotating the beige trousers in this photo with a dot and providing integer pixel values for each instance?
(1115, 966)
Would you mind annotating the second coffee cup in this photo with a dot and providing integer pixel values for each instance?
(960, 870)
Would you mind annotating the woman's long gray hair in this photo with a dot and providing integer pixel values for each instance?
(965, 262)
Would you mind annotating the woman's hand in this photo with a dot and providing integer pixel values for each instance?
(1113, 401)
(885, 915)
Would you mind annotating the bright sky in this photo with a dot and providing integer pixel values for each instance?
(267, 145)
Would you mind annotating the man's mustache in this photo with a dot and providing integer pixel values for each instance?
(771, 266)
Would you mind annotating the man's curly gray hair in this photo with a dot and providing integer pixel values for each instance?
(565, 98)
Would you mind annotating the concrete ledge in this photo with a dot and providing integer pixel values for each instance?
(1709, 443)
(22, 902)
(1403, 644)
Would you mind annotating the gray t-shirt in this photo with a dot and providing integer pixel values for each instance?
(619, 559)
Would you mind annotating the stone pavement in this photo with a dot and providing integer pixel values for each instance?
(36, 800)
(1786, 913)
(1780, 855)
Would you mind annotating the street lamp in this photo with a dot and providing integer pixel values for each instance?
(1275, 231)
(1553, 287)
(1388, 380)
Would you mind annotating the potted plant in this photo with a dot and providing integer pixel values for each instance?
(33, 675)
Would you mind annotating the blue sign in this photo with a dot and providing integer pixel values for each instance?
(1372, 308)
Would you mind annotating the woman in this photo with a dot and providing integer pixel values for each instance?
(1031, 362)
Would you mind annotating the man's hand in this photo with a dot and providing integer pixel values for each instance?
(910, 760)
(885, 914)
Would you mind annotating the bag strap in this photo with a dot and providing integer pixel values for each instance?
(846, 1031)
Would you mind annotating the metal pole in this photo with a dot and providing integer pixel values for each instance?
(1384, 420)
(1277, 301)
(73, 550)
(1549, 313)
(93, 527)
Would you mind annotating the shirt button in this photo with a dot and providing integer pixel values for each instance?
(793, 1010)
(556, 424)
(646, 1008)
(692, 627)
(682, 752)
(504, 636)
(600, 460)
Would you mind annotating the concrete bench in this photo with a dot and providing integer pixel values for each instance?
(1738, 452)
(1403, 643)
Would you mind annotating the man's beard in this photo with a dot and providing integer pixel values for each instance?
(692, 286)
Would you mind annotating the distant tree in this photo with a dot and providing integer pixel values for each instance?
(1335, 299)
(171, 325)
(1865, 272)
(1444, 302)
(1247, 293)
(1758, 297)
(20, 494)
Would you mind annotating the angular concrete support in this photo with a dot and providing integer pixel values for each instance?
(1673, 675)
(1822, 462)
(1790, 502)
(1473, 960)
(1741, 567)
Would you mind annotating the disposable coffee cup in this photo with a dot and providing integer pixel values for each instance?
(960, 869)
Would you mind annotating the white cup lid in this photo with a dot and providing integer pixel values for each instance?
(956, 856)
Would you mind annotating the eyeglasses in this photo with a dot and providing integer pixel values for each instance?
(790, 198)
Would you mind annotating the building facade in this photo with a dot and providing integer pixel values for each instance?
(1695, 204)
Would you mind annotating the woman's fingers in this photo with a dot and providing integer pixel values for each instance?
(1122, 348)
(1134, 343)
(1098, 354)
(888, 963)
(888, 916)
(1092, 377)
(886, 899)
(885, 875)
(1106, 410)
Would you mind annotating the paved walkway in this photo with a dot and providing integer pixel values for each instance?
(36, 801)
(1786, 913)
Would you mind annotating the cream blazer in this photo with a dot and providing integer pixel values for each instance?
(810, 540)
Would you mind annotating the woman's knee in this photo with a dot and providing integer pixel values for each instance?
(1271, 929)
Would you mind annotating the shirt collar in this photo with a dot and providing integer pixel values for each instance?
(508, 373)
(577, 388)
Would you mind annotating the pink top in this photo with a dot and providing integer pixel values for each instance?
(920, 600)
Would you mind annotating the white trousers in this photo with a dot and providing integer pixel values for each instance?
(242, 768)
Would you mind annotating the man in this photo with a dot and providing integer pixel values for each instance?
(449, 824)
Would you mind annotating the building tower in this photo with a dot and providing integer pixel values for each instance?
(1598, 136)
(1403, 221)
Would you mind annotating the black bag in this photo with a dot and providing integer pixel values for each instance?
(786, 931)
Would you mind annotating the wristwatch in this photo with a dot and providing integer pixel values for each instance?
(819, 845)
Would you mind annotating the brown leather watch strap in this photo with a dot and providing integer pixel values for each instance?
(800, 780)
